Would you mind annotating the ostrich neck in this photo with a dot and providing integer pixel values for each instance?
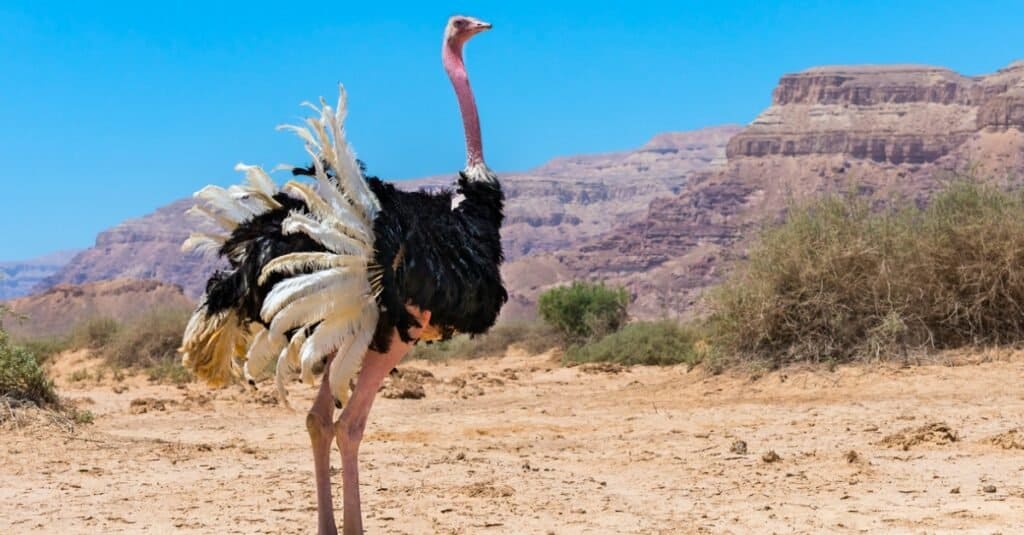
(456, 68)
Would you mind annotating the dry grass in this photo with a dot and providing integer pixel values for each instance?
(151, 340)
(148, 344)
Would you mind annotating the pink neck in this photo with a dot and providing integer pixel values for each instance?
(451, 56)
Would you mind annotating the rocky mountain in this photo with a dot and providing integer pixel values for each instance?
(550, 208)
(58, 309)
(145, 248)
(17, 278)
(667, 218)
(894, 133)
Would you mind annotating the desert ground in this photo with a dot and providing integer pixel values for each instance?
(520, 444)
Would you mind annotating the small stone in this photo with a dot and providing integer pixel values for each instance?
(989, 489)
(771, 457)
(954, 490)
(739, 447)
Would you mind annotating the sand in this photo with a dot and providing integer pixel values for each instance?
(520, 444)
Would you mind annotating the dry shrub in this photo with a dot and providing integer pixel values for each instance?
(94, 333)
(532, 337)
(46, 347)
(932, 433)
(653, 343)
(838, 281)
(151, 340)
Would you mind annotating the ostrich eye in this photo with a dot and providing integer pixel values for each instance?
(461, 23)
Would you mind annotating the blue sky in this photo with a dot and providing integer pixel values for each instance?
(110, 109)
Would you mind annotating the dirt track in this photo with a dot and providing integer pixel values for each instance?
(521, 445)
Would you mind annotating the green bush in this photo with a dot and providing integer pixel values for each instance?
(533, 337)
(21, 377)
(838, 281)
(583, 310)
(653, 343)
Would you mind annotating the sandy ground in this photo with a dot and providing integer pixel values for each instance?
(522, 445)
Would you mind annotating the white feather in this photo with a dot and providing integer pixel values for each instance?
(324, 235)
(351, 353)
(262, 350)
(314, 309)
(293, 263)
(331, 335)
(287, 361)
(301, 132)
(316, 204)
(219, 198)
(356, 184)
(288, 291)
(204, 243)
(201, 212)
(258, 179)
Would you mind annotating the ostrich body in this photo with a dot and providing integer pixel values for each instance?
(345, 275)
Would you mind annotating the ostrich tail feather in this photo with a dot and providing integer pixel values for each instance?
(214, 344)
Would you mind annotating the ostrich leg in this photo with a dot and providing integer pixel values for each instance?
(321, 431)
(350, 425)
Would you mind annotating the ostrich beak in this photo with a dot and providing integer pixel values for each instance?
(480, 26)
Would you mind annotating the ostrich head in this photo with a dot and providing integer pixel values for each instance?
(459, 30)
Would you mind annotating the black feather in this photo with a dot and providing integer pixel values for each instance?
(251, 246)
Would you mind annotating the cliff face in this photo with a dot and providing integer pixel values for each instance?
(572, 199)
(553, 207)
(894, 114)
(890, 133)
(145, 248)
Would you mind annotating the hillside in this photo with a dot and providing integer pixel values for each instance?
(893, 133)
(550, 208)
(57, 310)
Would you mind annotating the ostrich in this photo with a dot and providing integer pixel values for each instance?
(345, 274)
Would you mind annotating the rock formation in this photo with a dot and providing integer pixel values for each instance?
(148, 247)
(549, 208)
(667, 218)
(893, 133)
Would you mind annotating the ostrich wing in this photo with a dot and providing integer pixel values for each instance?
(334, 299)
(322, 300)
